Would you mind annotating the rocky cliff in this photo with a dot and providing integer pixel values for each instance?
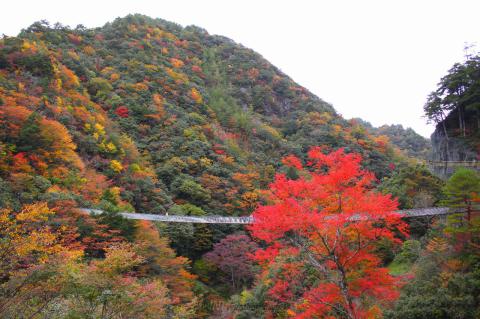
(455, 149)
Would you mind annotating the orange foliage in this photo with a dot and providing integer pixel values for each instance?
(69, 79)
(249, 200)
(89, 50)
(246, 180)
(176, 63)
(196, 96)
(253, 73)
(114, 77)
(140, 86)
(158, 107)
(382, 141)
(172, 269)
(75, 39)
(94, 185)
(12, 118)
(58, 148)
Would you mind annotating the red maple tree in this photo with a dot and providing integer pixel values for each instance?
(122, 111)
(322, 230)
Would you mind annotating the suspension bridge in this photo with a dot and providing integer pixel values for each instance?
(215, 219)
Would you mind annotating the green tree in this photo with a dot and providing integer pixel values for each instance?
(462, 191)
(459, 90)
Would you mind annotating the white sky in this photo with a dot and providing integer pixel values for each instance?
(377, 60)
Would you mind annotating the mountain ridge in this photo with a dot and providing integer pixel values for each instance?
(163, 92)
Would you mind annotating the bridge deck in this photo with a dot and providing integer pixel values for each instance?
(432, 211)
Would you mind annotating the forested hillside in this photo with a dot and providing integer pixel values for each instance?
(159, 116)
(406, 139)
(145, 115)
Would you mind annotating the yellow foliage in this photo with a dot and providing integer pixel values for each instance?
(58, 84)
(107, 70)
(73, 55)
(116, 166)
(89, 50)
(99, 128)
(151, 67)
(116, 192)
(227, 160)
(169, 36)
(271, 131)
(119, 258)
(132, 28)
(135, 167)
(177, 162)
(26, 46)
(110, 147)
(34, 213)
(140, 86)
(178, 77)
(205, 162)
(191, 161)
(26, 234)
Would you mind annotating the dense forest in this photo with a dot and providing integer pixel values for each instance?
(143, 115)
(406, 139)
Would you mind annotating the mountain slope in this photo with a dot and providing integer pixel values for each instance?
(407, 140)
(144, 114)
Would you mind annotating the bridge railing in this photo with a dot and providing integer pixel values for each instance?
(454, 163)
(215, 219)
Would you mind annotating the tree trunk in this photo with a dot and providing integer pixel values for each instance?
(461, 113)
(447, 149)
(233, 279)
(350, 310)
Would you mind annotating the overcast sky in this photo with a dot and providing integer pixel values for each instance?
(377, 60)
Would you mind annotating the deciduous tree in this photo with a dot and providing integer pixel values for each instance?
(321, 230)
(233, 256)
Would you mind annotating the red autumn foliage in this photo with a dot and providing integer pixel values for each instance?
(292, 161)
(122, 111)
(327, 222)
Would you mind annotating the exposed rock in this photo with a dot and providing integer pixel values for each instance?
(456, 150)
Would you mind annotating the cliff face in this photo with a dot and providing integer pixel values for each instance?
(454, 150)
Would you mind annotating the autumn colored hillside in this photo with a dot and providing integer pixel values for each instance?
(156, 115)
(145, 115)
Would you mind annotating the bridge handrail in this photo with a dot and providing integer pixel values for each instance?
(217, 219)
